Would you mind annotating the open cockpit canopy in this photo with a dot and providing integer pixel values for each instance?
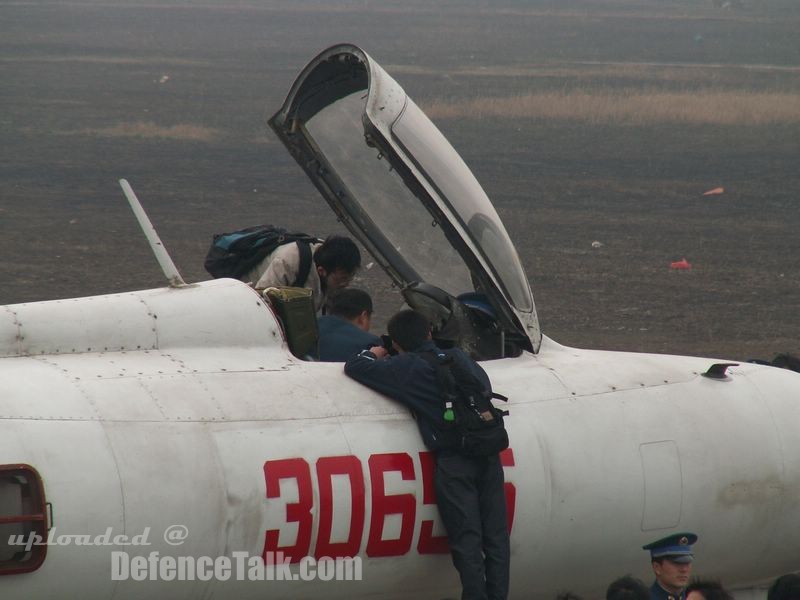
(403, 191)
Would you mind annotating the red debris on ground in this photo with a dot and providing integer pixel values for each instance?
(680, 265)
(714, 192)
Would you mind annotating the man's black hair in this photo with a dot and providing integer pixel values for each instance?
(710, 590)
(409, 329)
(785, 587)
(627, 588)
(338, 252)
(568, 596)
(348, 303)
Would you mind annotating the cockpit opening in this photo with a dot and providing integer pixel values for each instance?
(403, 191)
(467, 322)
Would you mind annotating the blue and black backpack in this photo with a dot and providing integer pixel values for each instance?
(237, 253)
(472, 423)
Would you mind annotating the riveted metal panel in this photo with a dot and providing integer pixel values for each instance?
(588, 372)
(9, 332)
(122, 400)
(272, 395)
(33, 389)
(115, 365)
(183, 398)
(98, 323)
(223, 312)
(227, 359)
(220, 313)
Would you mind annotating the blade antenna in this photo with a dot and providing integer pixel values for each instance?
(162, 256)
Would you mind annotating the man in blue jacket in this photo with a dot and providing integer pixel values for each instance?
(469, 490)
(344, 329)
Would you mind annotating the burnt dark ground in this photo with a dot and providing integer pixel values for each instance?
(72, 72)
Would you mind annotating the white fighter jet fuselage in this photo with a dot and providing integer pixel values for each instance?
(127, 418)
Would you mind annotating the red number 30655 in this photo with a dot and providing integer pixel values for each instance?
(382, 504)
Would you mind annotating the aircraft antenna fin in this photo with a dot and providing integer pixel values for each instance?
(162, 256)
(717, 370)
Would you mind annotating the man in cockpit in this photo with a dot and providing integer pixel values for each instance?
(330, 266)
(344, 328)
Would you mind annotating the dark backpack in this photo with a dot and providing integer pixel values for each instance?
(237, 253)
(476, 427)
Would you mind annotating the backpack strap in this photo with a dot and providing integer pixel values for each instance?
(305, 264)
(444, 376)
(446, 380)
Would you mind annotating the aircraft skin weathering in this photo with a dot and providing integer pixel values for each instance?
(184, 406)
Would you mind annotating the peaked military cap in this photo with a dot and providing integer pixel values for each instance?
(676, 547)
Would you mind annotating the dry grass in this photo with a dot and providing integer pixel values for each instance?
(634, 12)
(631, 107)
(631, 10)
(105, 60)
(184, 132)
(662, 72)
(587, 75)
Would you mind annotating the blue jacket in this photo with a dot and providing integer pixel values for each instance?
(659, 593)
(411, 380)
(339, 339)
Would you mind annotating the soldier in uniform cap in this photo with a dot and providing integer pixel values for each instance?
(672, 564)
